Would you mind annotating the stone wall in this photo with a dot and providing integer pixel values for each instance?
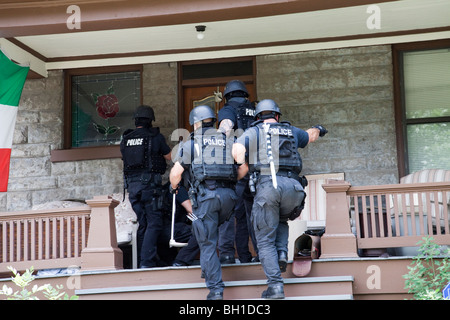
(34, 179)
(350, 92)
(160, 85)
(347, 90)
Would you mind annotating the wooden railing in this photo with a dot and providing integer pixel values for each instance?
(385, 216)
(400, 215)
(59, 238)
(50, 238)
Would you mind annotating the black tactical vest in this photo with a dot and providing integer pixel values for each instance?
(285, 154)
(136, 149)
(212, 158)
(245, 113)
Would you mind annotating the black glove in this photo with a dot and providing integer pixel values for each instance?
(323, 131)
(172, 190)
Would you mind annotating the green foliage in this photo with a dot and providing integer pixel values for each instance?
(427, 275)
(23, 281)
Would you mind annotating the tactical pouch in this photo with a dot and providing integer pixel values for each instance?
(298, 210)
(146, 178)
(193, 197)
(199, 230)
(303, 182)
(158, 199)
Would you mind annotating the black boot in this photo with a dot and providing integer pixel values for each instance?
(282, 260)
(273, 292)
(215, 295)
(227, 259)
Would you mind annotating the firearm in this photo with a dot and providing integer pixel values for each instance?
(322, 130)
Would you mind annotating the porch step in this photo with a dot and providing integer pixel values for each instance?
(308, 288)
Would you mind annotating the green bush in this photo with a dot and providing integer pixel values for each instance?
(23, 281)
(428, 275)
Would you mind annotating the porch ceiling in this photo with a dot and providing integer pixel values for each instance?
(112, 33)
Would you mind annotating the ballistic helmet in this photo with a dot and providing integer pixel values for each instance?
(144, 111)
(235, 85)
(201, 113)
(267, 105)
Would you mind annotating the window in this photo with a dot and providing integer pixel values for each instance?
(102, 107)
(425, 108)
(99, 107)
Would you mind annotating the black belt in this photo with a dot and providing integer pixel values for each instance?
(288, 174)
(213, 184)
(139, 177)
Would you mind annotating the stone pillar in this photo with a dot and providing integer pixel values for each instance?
(338, 241)
(102, 252)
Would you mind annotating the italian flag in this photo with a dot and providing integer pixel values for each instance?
(12, 79)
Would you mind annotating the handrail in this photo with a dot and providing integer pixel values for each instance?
(398, 188)
(29, 214)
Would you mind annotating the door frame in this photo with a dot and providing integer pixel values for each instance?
(208, 81)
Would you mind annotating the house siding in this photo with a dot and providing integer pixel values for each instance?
(350, 91)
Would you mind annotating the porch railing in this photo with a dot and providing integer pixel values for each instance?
(400, 215)
(43, 238)
(384, 216)
(60, 238)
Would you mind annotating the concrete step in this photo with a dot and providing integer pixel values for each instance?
(308, 288)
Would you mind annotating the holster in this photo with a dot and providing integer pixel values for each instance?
(298, 210)
(192, 193)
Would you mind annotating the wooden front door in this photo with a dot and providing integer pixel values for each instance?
(210, 95)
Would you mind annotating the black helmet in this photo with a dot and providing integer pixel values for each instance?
(235, 85)
(266, 105)
(201, 113)
(144, 111)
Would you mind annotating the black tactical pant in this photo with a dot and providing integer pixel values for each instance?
(144, 194)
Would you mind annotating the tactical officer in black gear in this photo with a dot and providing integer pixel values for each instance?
(234, 118)
(275, 164)
(182, 225)
(213, 176)
(144, 154)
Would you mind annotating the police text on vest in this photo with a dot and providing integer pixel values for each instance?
(135, 142)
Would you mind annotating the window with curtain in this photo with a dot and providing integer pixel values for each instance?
(426, 107)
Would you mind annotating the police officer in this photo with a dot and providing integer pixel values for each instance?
(208, 157)
(144, 154)
(275, 165)
(237, 114)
